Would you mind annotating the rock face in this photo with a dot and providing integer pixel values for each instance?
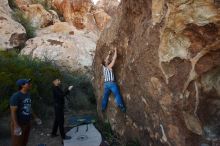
(37, 12)
(12, 34)
(38, 16)
(21, 3)
(69, 44)
(62, 44)
(82, 14)
(102, 19)
(168, 70)
(109, 6)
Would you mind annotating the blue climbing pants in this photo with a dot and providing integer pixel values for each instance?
(108, 88)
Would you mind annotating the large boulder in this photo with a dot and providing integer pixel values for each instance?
(76, 12)
(38, 16)
(82, 14)
(102, 19)
(168, 70)
(63, 45)
(109, 6)
(12, 34)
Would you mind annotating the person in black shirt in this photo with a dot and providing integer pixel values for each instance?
(59, 100)
(22, 113)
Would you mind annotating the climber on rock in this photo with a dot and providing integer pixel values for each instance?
(59, 100)
(110, 84)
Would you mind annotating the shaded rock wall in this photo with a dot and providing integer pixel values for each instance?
(167, 70)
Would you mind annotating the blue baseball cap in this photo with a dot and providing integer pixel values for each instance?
(21, 82)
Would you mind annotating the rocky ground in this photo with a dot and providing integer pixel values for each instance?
(39, 134)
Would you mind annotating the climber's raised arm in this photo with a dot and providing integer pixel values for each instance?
(113, 59)
(105, 62)
(107, 58)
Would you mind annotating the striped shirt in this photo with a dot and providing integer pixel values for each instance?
(108, 75)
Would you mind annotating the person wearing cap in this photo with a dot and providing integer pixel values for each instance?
(21, 113)
(59, 99)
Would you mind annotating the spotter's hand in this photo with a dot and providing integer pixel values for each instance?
(70, 88)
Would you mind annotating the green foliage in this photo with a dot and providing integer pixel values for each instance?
(20, 17)
(14, 67)
(133, 143)
(108, 134)
(82, 96)
(112, 138)
(12, 4)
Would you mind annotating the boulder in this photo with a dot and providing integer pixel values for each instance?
(82, 14)
(109, 6)
(12, 34)
(38, 16)
(75, 12)
(102, 19)
(167, 70)
(63, 45)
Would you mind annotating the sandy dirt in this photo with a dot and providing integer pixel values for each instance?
(39, 134)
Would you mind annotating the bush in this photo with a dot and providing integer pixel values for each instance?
(20, 17)
(133, 143)
(12, 4)
(82, 96)
(14, 67)
(112, 138)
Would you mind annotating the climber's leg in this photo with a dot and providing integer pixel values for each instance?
(118, 97)
(107, 92)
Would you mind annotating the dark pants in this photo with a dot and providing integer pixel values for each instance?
(59, 121)
(23, 139)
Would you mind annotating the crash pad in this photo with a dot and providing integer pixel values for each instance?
(83, 135)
